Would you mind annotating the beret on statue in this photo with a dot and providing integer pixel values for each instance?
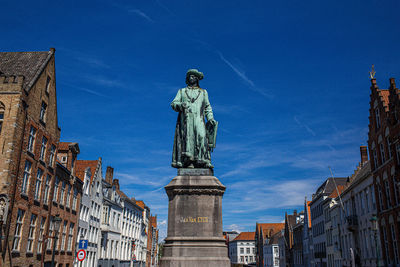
(195, 72)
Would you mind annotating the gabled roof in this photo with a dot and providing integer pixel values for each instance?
(28, 64)
(268, 229)
(82, 165)
(245, 236)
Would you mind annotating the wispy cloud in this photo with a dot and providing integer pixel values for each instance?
(141, 14)
(105, 81)
(244, 78)
(308, 129)
(164, 7)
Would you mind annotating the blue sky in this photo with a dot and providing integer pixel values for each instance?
(288, 82)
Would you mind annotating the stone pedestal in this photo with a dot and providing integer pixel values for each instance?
(195, 221)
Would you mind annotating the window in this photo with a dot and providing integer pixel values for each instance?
(70, 236)
(398, 153)
(43, 149)
(1, 118)
(31, 234)
(396, 191)
(380, 197)
(377, 119)
(47, 190)
(18, 226)
(47, 88)
(396, 252)
(40, 237)
(241, 250)
(388, 147)
(31, 139)
(56, 185)
(64, 234)
(374, 155)
(387, 190)
(383, 159)
(51, 234)
(38, 184)
(248, 250)
(67, 202)
(62, 193)
(43, 112)
(52, 155)
(25, 178)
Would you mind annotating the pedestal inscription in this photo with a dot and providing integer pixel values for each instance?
(195, 223)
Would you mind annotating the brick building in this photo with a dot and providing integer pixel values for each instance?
(152, 243)
(66, 197)
(28, 140)
(384, 151)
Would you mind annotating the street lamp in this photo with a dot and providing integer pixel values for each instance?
(374, 222)
(56, 223)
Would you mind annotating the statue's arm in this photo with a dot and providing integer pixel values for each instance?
(177, 102)
(208, 110)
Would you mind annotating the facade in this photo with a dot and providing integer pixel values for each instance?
(152, 243)
(282, 249)
(297, 249)
(90, 173)
(66, 198)
(131, 229)
(111, 222)
(359, 206)
(142, 244)
(291, 221)
(319, 258)
(29, 136)
(271, 250)
(263, 232)
(242, 249)
(307, 235)
(384, 152)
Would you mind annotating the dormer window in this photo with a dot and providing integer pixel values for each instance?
(63, 159)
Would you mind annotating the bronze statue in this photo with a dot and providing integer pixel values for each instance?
(194, 138)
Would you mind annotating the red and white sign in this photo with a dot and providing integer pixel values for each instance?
(81, 255)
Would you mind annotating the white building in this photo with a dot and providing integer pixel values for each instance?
(131, 231)
(271, 251)
(141, 246)
(90, 172)
(110, 244)
(357, 233)
(243, 248)
(318, 219)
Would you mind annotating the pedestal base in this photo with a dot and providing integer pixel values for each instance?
(195, 222)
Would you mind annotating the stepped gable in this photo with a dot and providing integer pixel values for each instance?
(27, 64)
(82, 165)
(245, 236)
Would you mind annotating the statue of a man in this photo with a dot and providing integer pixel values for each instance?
(191, 144)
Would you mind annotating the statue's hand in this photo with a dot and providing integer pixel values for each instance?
(184, 106)
(213, 122)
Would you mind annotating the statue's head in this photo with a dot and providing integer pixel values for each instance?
(193, 76)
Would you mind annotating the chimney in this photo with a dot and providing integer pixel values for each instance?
(109, 174)
(116, 183)
(392, 83)
(364, 155)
